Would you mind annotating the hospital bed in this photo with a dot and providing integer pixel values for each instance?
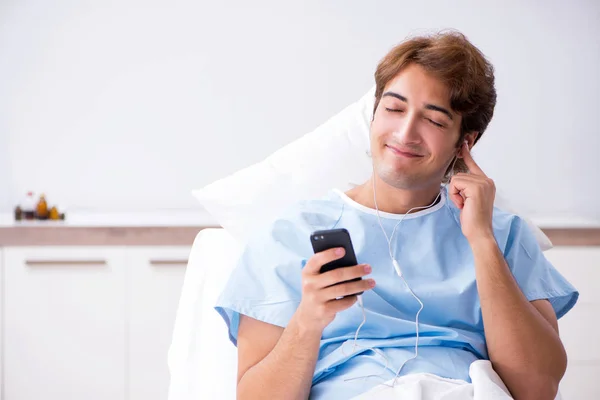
(202, 361)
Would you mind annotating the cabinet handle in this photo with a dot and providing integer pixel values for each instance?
(44, 263)
(168, 262)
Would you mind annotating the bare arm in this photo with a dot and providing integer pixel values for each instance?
(276, 363)
(522, 336)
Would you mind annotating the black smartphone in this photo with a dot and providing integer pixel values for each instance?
(328, 239)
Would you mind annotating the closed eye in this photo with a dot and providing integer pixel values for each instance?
(393, 110)
(435, 123)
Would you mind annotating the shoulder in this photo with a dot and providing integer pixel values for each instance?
(512, 230)
(509, 228)
(292, 227)
(311, 214)
(503, 221)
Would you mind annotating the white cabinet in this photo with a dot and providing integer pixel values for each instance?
(89, 322)
(1, 316)
(64, 323)
(154, 281)
(579, 328)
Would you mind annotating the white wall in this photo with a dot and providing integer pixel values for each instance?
(126, 105)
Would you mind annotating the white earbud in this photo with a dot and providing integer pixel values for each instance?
(397, 268)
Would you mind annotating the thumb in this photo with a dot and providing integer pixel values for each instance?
(313, 266)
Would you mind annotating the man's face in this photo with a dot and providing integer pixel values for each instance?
(414, 132)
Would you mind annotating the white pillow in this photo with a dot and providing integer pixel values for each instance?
(335, 155)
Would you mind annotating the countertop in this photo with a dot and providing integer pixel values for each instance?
(169, 228)
(118, 219)
(180, 227)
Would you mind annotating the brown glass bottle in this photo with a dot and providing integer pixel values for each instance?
(41, 211)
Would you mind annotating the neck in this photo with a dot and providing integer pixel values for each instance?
(391, 199)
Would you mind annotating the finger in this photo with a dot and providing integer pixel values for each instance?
(470, 162)
(347, 289)
(341, 304)
(455, 195)
(343, 274)
(470, 185)
(469, 177)
(314, 264)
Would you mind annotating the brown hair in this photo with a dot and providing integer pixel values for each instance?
(450, 57)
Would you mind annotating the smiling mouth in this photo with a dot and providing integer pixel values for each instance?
(403, 153)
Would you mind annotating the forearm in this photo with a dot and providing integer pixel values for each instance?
(287, 371)
(524, 348)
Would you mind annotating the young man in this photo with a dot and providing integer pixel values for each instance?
(487, 291)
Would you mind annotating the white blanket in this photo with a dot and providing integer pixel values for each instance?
(486, 385)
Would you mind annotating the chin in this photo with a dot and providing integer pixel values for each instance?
(398, 178)
(406, 178)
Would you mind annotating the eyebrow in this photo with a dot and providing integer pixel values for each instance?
(432, 107)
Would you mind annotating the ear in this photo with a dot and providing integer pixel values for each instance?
(470, 139)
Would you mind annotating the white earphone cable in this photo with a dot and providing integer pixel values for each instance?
(399, 273)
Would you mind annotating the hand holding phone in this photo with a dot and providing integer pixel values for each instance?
(331, 279)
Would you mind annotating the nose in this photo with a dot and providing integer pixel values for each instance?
(406, 131)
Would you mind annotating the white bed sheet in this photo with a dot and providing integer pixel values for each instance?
(202, 361)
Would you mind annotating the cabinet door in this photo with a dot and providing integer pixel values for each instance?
(1, 316)
(64, 323)
(579, 328)
(154, 287)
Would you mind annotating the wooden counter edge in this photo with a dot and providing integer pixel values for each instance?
(573, 236)
(184, 236)
(99, 236)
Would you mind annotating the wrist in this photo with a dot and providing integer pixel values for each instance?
(482, 238)
(306, 325)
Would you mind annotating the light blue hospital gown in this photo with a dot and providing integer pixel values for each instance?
(437, 263)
